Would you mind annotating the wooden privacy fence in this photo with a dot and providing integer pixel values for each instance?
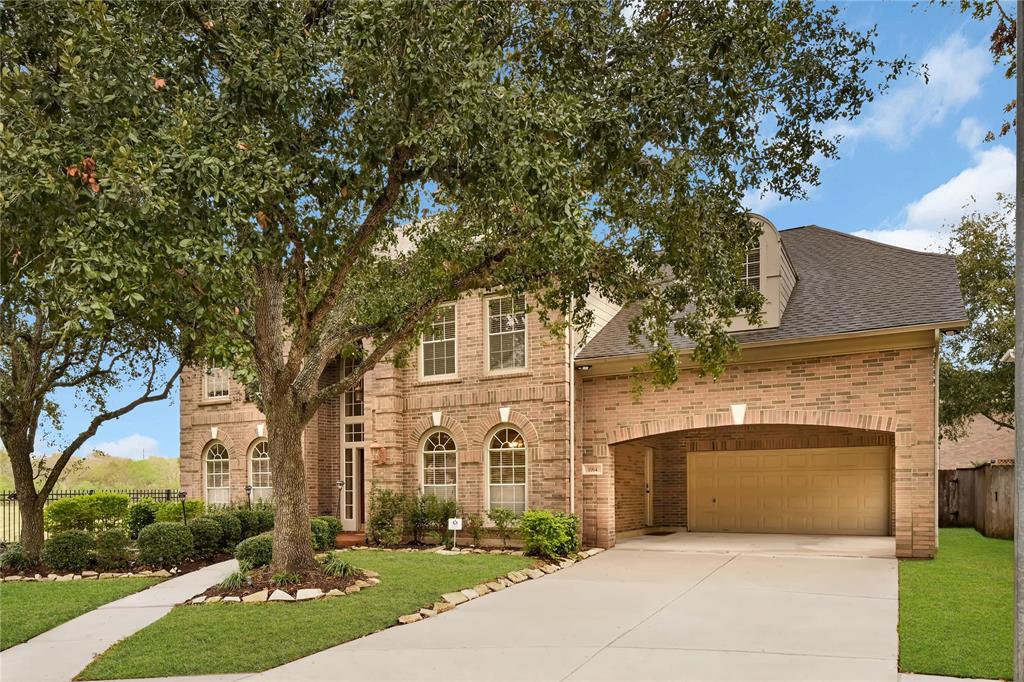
(980, 497)
(10, 519)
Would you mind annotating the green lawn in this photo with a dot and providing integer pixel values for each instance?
(235, 638)
(956, 611)
(27, 609)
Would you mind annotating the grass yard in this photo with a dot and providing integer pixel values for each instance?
(28, 609)
(236, 638)
(956, 611)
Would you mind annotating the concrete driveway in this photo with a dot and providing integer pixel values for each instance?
(681, 607)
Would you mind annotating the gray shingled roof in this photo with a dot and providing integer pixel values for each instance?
(844, 284)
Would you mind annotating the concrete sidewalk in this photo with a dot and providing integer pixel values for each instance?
(59, 654)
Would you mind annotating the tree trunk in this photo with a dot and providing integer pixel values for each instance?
(293, 545)
(30, 508)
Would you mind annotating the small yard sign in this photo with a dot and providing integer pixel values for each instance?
(454, 524)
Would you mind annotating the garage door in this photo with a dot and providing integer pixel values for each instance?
(811, 490)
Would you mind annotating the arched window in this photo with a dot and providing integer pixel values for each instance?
(259, 472)
(440, 466)
(506, 470)
(218, 485)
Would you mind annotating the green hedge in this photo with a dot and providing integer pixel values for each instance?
(165, 544)
(70, 550)
(171, 511)
(112, 549)
(230, 528)
(86, 512)
(256, 551)
(207, 536)
(140, 515)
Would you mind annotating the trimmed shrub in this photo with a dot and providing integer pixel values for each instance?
(439, 510)
(170, 512)
(256, 551)
(322, 536)
(334, 523)
(140, 515)
(165, 544)
(474, 525)
(384, 523)
(417, 520)
(247, 519)
(230, 528)
(13, 558)
(264, 514)
(335, 565)
(207, 537)
(550, 534)
(112, 549)
(505, 522)
(85, 512)
(68, 551)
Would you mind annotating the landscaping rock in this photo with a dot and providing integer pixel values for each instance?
(352, 589)
(232, 600)
(517, 576)
(107, 576)
(12, 578)
(52, 576)
(495, 586)
(533, 573)
(565, 563)
(505, 582)
(427, 613)
(371, 574)
(518, 552)
(66, 578)
(495, 551)
(335, 592)
(411, 618)
(199, 600)
(549, 568)
(214, 599)
(161, 574)
(470, 594)
(281, 595)
(76, 577)
(481, 589)
(256, 597)
(373, 581)
(309, 593)
(363, 583)
(455, 598)
(442, 606)
(145, 574)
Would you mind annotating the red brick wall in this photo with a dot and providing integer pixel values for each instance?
(629, 488)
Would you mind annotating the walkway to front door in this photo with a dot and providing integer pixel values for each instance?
(777, 612)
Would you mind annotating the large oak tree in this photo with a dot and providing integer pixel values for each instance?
(368, 160)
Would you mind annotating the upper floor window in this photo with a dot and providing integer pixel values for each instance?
(506, 333)
(259, 472)
(440, 466)
(438, 344)
(752, 269)
(215, 383)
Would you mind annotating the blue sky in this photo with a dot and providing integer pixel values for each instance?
(910, 165)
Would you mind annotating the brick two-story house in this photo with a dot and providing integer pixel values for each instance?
(826, 423)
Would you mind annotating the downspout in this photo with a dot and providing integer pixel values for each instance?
(571, 350)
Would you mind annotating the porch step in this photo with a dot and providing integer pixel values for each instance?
(349, 539)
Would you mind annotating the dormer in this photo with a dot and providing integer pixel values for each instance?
(768, 269)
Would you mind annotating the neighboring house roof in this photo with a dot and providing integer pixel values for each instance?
(983, 442)
(845, 284)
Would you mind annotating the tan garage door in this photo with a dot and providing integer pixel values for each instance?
(842, 491)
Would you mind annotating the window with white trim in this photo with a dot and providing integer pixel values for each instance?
(752, 269)
(259, 472)
(215, 383)
(440, 466)
(438, 344)
(218, 482)
(506, 470)
(506, 333)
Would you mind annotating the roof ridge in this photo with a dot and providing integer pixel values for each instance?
(869, 241)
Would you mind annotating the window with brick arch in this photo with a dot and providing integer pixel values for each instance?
(506, 470)
(259, 472)
(440, 466)
(218, 478)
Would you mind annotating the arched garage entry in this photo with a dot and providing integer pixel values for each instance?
(757, 478)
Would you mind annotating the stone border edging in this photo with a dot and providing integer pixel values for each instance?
(369, 579)
(85, 575)
(450, 600)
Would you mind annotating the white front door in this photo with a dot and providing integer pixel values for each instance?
(351, 488)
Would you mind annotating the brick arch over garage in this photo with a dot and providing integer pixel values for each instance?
(914, 535)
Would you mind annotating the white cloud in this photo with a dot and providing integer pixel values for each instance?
(135, 446)
(955, 72)
(925, 222)
(971, 133)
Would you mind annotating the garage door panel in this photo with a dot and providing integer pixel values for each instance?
(815, 490)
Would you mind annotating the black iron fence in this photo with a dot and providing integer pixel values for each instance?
(10, 518)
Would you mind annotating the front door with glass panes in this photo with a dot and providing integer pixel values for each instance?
(352, 451)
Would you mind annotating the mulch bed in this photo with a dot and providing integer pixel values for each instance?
(261, 579)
